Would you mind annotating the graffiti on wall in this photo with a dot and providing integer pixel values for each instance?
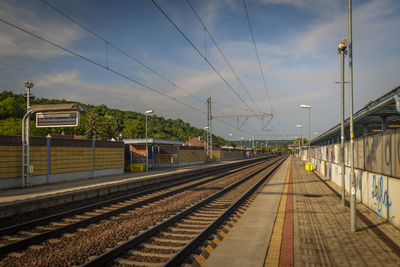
(382, 197)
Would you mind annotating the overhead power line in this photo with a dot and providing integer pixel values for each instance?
(105, 67)
(201, 54)
(108, 43)
(222, 54)
(99, 65)
(258, 58)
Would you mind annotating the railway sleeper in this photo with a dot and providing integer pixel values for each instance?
(190, 231)
(164, 256)
(166, 240)
(151, 246)
(194, 221)
(135, 263)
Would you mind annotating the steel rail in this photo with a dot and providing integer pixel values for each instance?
(187, 250)
(113, 253)
(21, 244)
(28, 224)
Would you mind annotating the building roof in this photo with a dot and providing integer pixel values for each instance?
(195, 141)
(371, 118)
(151, 141)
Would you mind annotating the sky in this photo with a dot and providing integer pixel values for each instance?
(128, 55)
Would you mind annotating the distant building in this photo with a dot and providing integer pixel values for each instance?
(64, 136)
(195, 141)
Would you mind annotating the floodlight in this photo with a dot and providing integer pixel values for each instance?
(28, 84)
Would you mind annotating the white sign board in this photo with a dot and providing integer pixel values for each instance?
(57, 119)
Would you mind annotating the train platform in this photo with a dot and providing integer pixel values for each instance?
(298, 220)
(21, 200)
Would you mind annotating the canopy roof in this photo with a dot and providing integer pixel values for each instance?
(377, 115)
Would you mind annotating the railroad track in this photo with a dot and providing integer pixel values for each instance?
(21, 236)
(174, 240)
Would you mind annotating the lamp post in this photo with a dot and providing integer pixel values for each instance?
(353, 226)
(342, 49)
(309, 135)
(147, 113)
(26, 169)
(301, 138)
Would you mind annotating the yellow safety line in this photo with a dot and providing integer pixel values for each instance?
(274, 248)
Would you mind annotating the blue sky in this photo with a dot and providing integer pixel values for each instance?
(296, 42)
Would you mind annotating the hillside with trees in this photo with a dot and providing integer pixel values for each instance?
(100, 122)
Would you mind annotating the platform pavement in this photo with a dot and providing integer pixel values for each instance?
(311, 228)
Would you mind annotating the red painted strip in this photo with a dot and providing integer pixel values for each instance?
(287, 252)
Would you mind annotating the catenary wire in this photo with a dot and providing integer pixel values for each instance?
(222, 54)
(200, 53)
(255, 48)
(108, 43)
(105, 67)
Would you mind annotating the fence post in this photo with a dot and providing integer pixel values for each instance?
(93, 158)
(130, 154)
(48, 160)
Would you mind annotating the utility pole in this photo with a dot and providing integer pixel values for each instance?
(343, 52)
(209, 129)
(26, 168)
(353, 226)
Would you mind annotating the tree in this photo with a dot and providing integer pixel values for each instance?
(9, 107)
(133, 129)
(11, 126)
(91, 128)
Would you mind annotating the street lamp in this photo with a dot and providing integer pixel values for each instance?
(26, 168)
(147, 113)
(301, 138)
(309, 135)
(342, 49)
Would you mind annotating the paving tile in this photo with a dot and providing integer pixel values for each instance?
(323, 236)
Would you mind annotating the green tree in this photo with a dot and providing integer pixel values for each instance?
(91, 128)
(11, 126)
(9, 107)
(133, 129)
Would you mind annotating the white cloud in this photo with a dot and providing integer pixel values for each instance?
(17, 43)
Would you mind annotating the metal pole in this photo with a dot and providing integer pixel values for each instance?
(353, 226)
(342, 127)
(26, 172)
(147, 155)
(309, 140)
(301, 142)
(209, 138)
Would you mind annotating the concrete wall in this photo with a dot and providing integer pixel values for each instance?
(376, 162)
(56, 160)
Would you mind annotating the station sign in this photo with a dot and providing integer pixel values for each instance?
(57, 119)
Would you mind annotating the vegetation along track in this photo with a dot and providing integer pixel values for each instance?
(105, 218)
